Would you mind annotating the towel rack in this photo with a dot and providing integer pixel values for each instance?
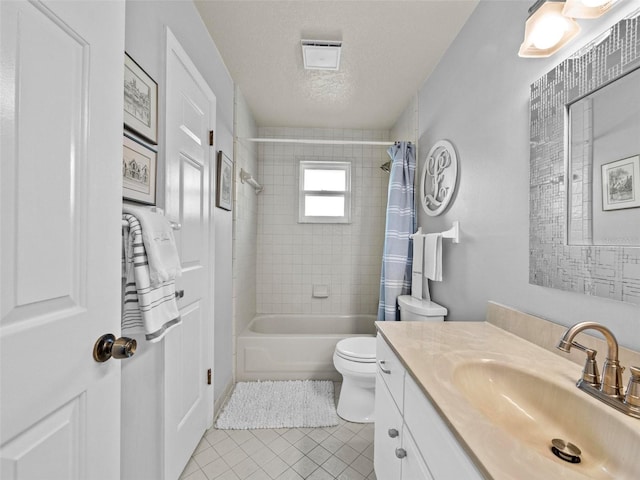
(453, 232)
(246, 177)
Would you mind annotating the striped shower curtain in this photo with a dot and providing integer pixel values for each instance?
(397, 256)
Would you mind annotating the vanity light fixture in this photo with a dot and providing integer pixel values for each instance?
(547, 30)
(321, 54)
(586, 8)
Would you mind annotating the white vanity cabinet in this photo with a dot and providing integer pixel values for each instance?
(411, 440)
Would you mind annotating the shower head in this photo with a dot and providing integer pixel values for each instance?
(386, 167)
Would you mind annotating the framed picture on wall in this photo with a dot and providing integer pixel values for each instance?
(138, 172)
(225, 182)
(140, 101)
(621, 184)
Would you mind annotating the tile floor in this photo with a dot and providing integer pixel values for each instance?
(343, 452)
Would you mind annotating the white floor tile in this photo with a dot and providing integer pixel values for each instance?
(344, 452)
(205, 456)
(305, 467)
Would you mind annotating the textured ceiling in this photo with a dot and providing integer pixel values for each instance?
(389, 49)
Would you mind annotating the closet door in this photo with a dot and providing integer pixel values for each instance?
(61, 191)
(190, 115)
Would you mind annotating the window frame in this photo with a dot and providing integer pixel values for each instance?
(346, 194)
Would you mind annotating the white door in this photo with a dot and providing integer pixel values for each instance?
(61, 83)
(189, 116)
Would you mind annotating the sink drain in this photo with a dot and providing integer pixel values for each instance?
(565, 451)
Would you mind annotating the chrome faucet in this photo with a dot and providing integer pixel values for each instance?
(608, 388)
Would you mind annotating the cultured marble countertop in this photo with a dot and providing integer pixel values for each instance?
(431, 352)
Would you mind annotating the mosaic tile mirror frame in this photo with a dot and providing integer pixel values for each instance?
(605, 271)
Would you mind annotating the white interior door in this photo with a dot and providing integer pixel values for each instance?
(190, 114)
(61, 147)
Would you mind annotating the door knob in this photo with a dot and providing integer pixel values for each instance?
(107, 346)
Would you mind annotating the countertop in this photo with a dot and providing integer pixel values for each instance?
(431, 351)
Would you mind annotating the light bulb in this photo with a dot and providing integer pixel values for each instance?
(548, 31)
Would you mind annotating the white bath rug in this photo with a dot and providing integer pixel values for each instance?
(289, 404)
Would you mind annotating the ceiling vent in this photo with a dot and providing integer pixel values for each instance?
(321, 54)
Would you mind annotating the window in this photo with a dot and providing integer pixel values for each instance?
(325, 192)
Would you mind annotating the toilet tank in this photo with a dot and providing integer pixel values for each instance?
(414, 309)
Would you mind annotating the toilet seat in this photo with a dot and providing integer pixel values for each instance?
(357, 349)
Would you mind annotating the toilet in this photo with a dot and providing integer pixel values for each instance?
(414, 309)
(355, 359)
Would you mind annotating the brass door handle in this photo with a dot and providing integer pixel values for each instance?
(107, 346)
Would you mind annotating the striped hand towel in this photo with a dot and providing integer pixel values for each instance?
(159, 244)
(147, 309)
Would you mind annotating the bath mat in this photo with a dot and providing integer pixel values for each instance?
(287, 404)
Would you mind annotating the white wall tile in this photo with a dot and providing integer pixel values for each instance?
(291, 257)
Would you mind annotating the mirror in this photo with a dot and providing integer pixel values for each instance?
(604, 142)
(584, 233)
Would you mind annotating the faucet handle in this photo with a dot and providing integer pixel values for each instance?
(632, 397)
(590, 372)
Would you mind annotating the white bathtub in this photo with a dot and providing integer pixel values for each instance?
(296, 347)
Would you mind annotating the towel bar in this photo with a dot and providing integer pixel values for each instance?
(453, 233)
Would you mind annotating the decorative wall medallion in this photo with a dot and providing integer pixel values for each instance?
(439, 177)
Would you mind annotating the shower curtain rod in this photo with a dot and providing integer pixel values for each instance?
(314, 141)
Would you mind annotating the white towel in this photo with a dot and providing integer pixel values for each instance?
(159, 244)
(416, 272)
(433, 256)
(147, 309)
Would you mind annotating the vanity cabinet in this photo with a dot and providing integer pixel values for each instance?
(411, 440)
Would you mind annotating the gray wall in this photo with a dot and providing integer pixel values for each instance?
(145, 43)
(478, 98)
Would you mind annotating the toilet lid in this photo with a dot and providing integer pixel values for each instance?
(359, 349)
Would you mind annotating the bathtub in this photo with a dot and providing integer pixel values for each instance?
(295, 347)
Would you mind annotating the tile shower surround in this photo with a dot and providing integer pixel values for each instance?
(291, 256)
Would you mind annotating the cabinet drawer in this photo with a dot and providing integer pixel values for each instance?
(441, 451)
(391, 371)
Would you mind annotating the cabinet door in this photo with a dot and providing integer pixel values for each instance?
(413, 466)
(388, 431)
(440, 448)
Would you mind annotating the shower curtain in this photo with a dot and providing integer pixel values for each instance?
(395, 279)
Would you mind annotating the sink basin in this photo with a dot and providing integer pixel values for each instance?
(533, 410)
